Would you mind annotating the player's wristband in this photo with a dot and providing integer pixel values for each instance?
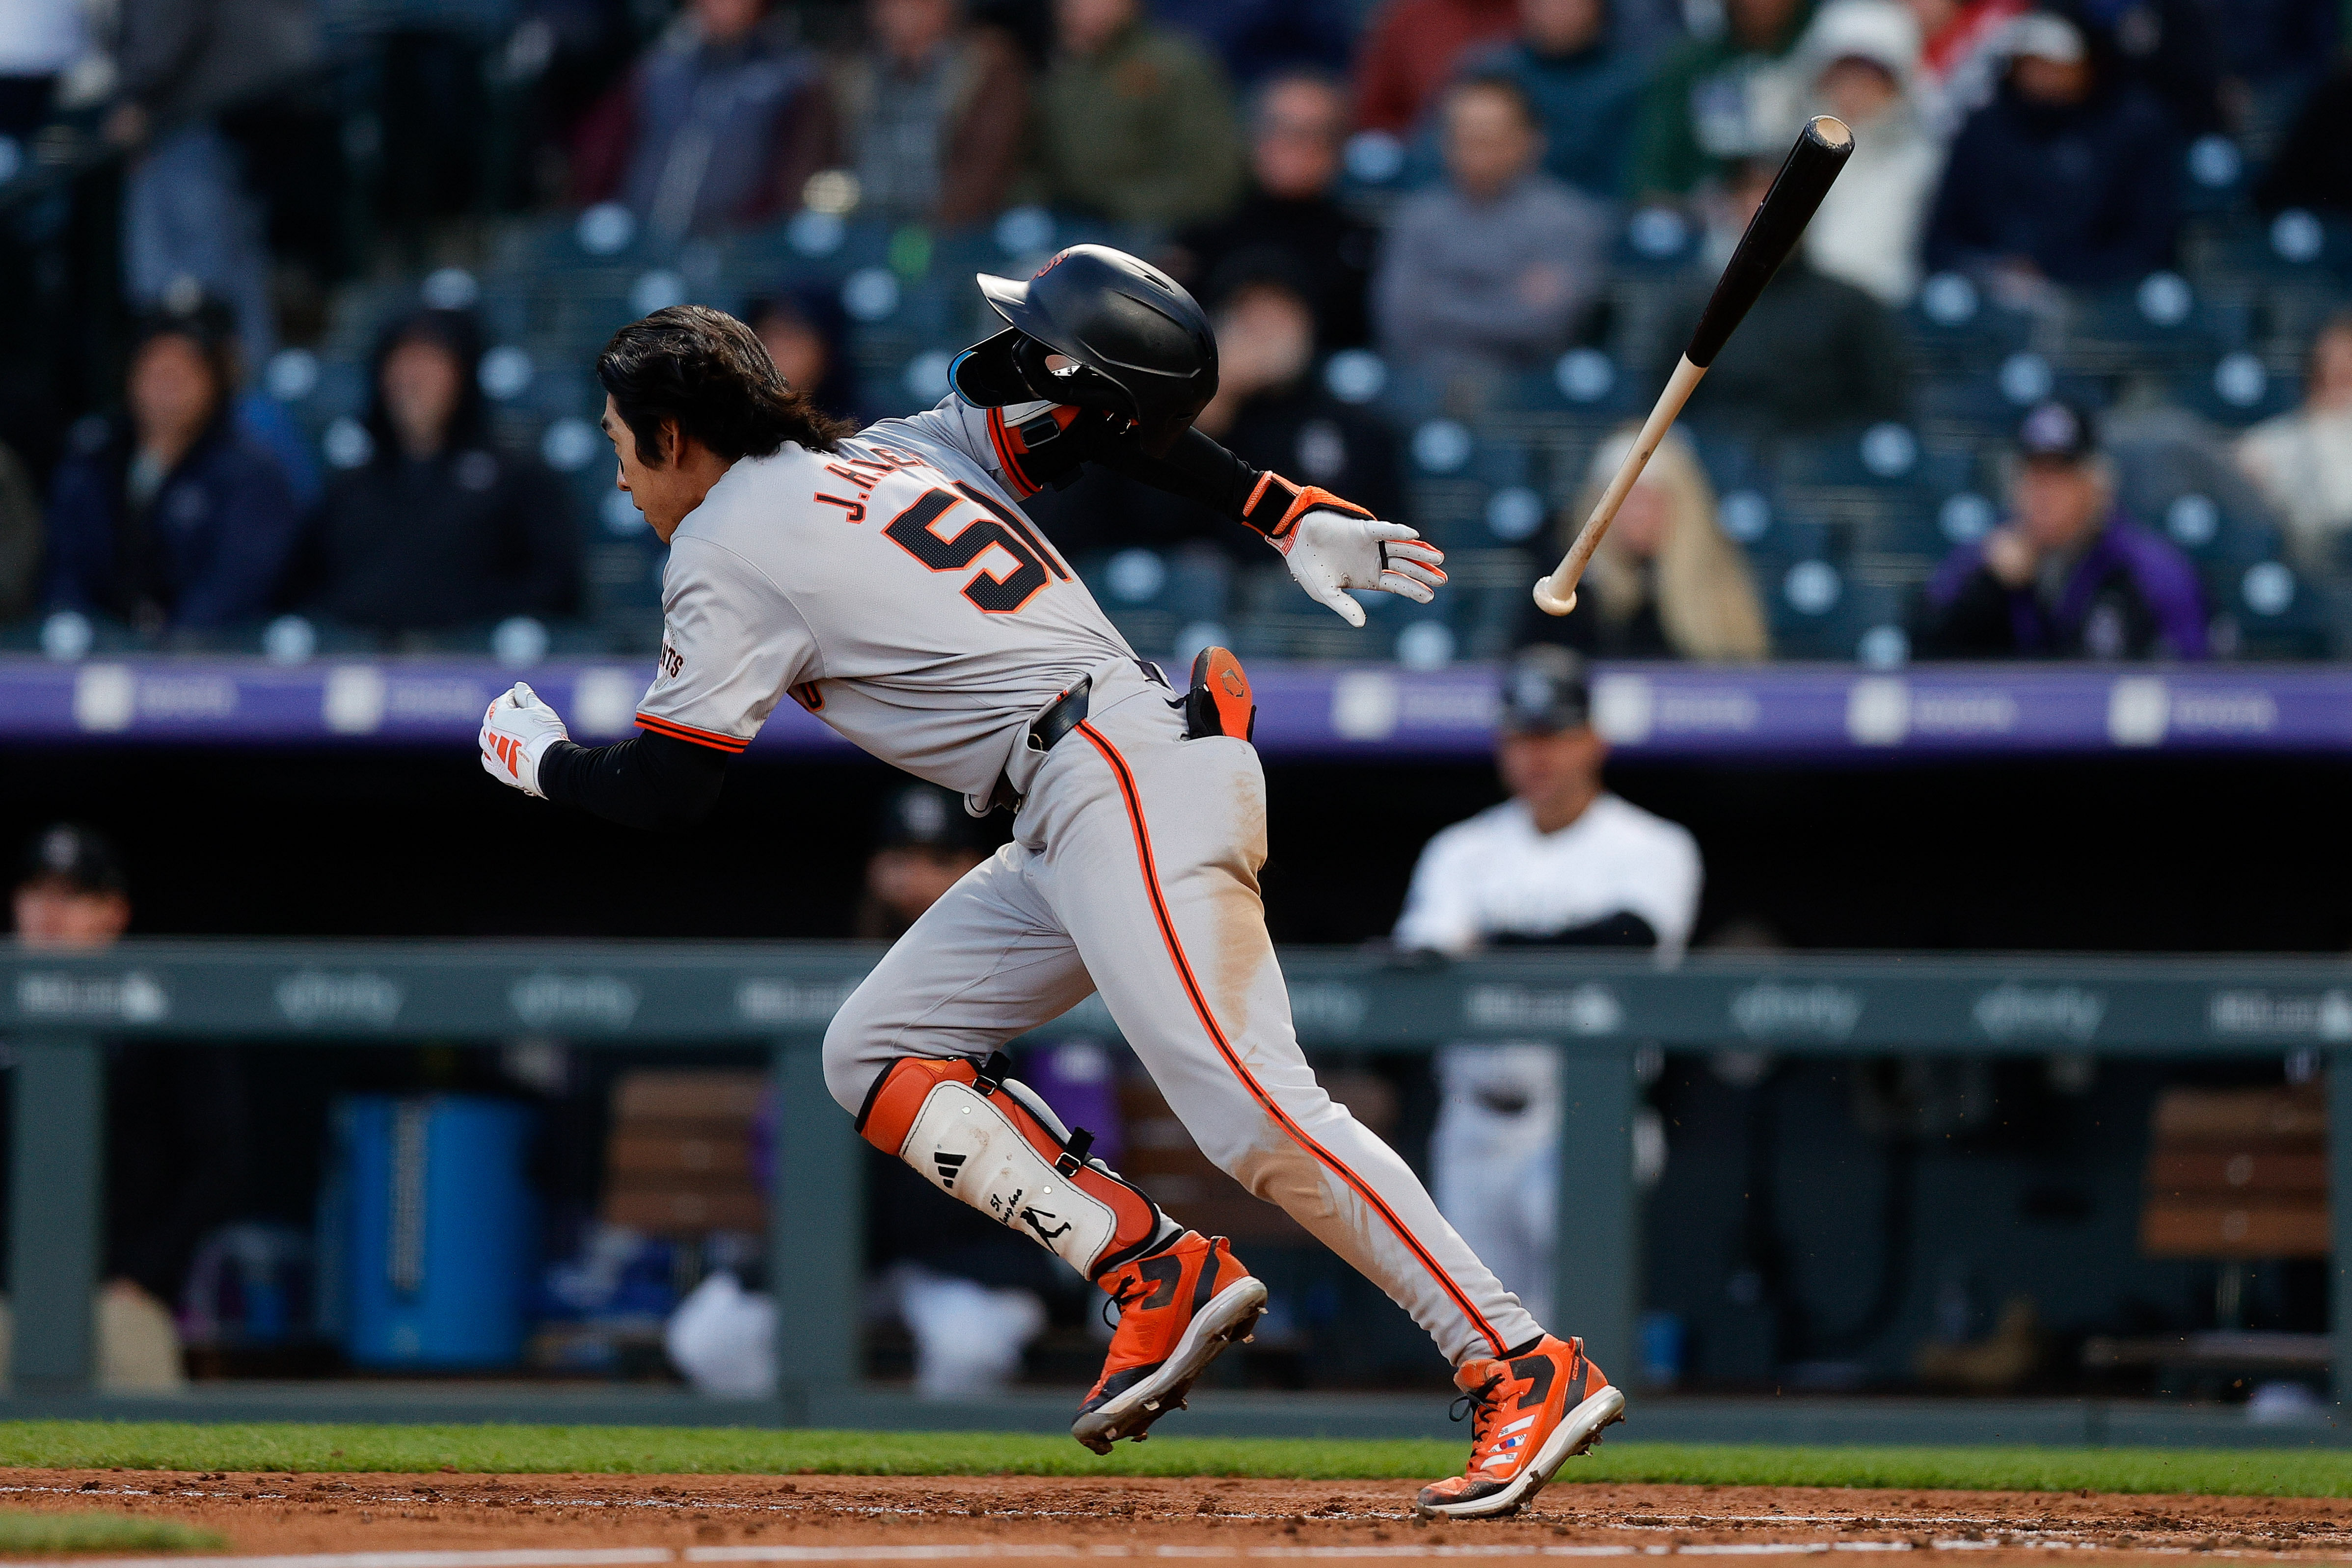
(1275, 505)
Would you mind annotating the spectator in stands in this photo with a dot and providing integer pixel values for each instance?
(1585, 82)
(717, 126)
(1259, 39)
(2313, 166)
(1960, 56)
(1815, 355)
(171, 518)
(928, 841)
(1411, 49)
(437, 529)
(39, 39)
(1715, 97)
(2067, 575)
(20, 538)
(1860, 56)
(930, 115)
(2063, 176)
(2302, 461)
(1269, 409)
(1298, 123)
(1563, 863)
(1667, 582)
(1274, 413)
(1136, 123)
(187, 211)
(1493, 272)
(2170, 48)
(807, 332)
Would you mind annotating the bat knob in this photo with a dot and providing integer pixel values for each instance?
(1551, 603)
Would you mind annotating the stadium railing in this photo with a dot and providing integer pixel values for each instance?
(58, 1009)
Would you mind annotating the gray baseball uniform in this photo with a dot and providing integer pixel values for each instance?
(896, 591)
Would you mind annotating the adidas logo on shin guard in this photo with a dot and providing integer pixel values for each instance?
(949, 1164)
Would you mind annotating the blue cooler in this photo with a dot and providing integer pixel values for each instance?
(426, 1231)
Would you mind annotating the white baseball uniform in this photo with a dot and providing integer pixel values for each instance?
(1494, 1154)
(896, 590)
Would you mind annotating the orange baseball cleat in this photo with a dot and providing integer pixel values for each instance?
(1178, 1311)
(1529, 1415)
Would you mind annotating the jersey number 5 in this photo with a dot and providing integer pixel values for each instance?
(912, 531)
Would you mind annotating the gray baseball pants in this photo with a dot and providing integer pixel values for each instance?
(1134, 870)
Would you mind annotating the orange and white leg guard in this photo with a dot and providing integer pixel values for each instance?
(982, 1137)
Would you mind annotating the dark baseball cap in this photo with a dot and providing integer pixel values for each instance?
(926, 816)
(2058, 430)
(1545, 691)
(77, 855)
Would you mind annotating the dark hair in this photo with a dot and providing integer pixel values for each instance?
(457, 334)
(712, 374)
(70, 853)
(210, 328)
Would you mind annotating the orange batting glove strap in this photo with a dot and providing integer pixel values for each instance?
(1275, 505)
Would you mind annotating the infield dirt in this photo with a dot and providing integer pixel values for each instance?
(1008, 1517)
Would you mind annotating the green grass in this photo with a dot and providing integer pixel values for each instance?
(678, 1450)
(21, 1532)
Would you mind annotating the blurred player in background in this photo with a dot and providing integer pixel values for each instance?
(928, 842)
(69, 891)
(176, 1127)
(1562, 863)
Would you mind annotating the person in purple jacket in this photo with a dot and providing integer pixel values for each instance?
(2067, 575)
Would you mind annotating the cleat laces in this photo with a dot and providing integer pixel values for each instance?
(1482, 1409)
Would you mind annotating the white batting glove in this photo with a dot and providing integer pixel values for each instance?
(1330, 551)
(517, 730)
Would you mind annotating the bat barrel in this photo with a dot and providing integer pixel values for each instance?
(1821, 150)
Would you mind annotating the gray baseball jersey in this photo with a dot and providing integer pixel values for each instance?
(895, 589)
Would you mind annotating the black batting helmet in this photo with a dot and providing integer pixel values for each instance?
(1141, 344)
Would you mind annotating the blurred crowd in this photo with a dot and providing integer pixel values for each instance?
(1442, 188)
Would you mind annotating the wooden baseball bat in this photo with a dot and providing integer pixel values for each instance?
(1823, 147)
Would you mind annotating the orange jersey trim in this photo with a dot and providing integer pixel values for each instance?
(1280, 1117)
(1002, 439)
(731, 745)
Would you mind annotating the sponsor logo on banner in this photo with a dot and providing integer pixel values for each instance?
(1878, 711)
(314, 996)
(133, 998)
(1325, 1008)
(106, 698)
(353, 700)
(2140, 711)
(791, 1001)
(1624, 708)
(2324, 1017)
(2014, 1012)
(545, 1001)
(1767, 1011)
(1365, 705)
(604, 701)
(1587, 1010)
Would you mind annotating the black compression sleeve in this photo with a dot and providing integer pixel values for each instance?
(650, 780)
(1196, 468)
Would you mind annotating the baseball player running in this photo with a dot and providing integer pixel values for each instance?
(887, 581)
